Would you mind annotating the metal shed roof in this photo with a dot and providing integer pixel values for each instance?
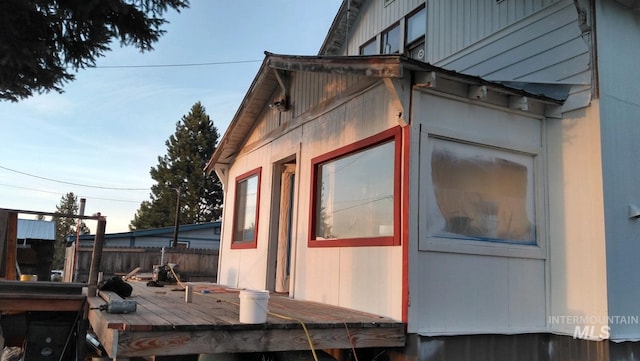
(34, 229)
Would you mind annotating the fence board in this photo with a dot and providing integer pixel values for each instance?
(196, 264)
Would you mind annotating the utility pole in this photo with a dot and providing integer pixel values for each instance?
(174, 244)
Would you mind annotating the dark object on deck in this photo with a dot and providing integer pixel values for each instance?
(154, 284)
(117, 285)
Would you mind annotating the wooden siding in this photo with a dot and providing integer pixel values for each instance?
(456, 25)
(542, 45)
(327, 275)
(307, 90)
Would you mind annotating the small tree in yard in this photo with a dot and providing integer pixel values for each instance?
(66, 225)
(181, 172)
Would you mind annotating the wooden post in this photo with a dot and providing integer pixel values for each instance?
(12, 245)
(176, 227)
(4, 216)
(96, 257)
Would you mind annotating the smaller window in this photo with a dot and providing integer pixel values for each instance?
(245, 217)
(416, 31)
(390, 43)
(368, 48)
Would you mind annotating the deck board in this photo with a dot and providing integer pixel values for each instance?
(164, 324)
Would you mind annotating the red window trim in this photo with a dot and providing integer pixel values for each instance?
(393, 134)
(240, 178)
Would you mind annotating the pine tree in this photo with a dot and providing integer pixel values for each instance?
(43, 42)
(182, 168)
(66, 225)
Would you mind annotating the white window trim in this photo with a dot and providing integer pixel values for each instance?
(466, 246)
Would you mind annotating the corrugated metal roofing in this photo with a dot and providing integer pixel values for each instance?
(34, 229)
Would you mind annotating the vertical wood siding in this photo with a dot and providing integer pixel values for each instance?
(307, 90)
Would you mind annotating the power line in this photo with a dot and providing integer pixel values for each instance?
(175, 65)
(61, 194)
(75, 184)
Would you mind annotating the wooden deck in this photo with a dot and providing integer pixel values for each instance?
(164, 324)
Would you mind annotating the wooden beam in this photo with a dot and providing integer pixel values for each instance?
(12, 245)
(141, 344)
(96, 257)
(3, 240)
(373, 67)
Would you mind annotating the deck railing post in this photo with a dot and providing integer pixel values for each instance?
(96, 257)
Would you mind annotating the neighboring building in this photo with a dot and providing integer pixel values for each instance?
(477, 180)
(36, 241)
(201, 235)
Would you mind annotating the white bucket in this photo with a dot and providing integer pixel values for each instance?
(253, 306)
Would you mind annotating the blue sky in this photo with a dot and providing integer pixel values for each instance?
(110, 125)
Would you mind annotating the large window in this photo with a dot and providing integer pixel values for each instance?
(245, 216)
(481, 193)
(356, 194)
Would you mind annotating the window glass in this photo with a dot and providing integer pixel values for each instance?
(369, 48)
(355, 195)
(246, 209)
(391, 41)
(481, 193)
(417, 26)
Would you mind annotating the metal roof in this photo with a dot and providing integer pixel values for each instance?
(34, 229)
(376, 66)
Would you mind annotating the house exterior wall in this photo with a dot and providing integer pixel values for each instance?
(376, 17)
(577, 257)
(618, 31)
(323, 274)
(480, 287)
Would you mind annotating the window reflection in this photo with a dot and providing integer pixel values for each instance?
(245, 209)
(355, 194)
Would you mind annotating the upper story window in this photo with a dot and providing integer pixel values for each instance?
(356, 194)
(390, 40)
(416, 33)
(245, 216)
(369, 48)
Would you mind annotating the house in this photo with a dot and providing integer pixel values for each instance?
(466, 167)
(35, 247)
(200, 235)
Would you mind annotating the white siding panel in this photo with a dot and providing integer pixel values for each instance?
(336, 275)
(458, 293)
(470, 294)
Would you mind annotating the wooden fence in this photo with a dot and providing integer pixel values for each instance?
(193, 264)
